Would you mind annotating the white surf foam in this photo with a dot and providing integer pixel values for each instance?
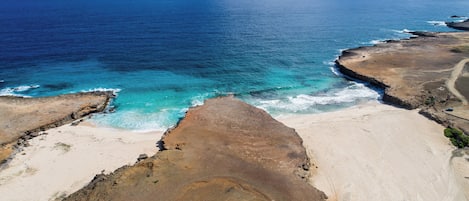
(335, 70)
(461, 20)
(13, 91)
(402, 31)
(303, 102)
(137, 121)
(379, 41)
(329, 62)
(332, 66)
(437, 23)
(199, 99)
(374, 42)
(115, 91)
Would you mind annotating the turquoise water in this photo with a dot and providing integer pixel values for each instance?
(161, 57)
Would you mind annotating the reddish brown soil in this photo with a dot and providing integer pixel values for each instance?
(223, 150)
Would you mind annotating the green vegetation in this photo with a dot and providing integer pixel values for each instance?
(460, 49)
(430, 101)
(457, 137)
(62, 146)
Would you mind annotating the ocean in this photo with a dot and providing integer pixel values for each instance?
(163, 56)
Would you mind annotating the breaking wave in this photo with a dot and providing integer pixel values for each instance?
(15, 91)
(437, 23)
(140, 121)
(115, 91)
(304, 103)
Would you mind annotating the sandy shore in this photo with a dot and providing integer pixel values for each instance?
(367, 152)
(379, 152)
(68, 157)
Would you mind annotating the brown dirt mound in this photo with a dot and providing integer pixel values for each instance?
(223, 150)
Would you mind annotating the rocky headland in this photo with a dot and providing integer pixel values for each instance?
(222, 150)
(23, 118)
(229, 150)
(464, 25)
(428, 71)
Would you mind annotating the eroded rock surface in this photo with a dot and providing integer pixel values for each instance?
(223, 150)
(464, 25)
(428, 71)
(24, 116)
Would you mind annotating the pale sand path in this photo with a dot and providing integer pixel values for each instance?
(457, 71)
(379, 152)
(68, 158)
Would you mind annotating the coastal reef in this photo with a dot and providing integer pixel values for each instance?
(429, 71)
(23, 118)
(222, 150)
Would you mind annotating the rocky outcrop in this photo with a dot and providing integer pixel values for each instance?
(223, 150)
(22, 118)
(464, 25)
(415, 72)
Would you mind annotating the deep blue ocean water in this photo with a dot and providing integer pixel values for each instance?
(163, 56)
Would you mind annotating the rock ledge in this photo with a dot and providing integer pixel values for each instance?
(223, 150)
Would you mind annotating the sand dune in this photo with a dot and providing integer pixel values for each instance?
(379, 152)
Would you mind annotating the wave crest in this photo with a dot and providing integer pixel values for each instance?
(437, 23)
(114, 91)
(13, 91)
(354, 93)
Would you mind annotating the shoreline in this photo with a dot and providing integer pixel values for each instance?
(375, 151)
(370, 151)
(421, 72)
(27, 117)
(68, 157)
(222, 150)
(384, 146)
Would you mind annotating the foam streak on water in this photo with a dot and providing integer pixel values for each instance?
(437, 23)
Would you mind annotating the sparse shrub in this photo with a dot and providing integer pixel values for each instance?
(460, 49)
(430, 101)
(457, 137)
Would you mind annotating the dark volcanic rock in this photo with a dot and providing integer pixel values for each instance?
(142, 157)
(423, 33)
(464, 25)
(223, 150)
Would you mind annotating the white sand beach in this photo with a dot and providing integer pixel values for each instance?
(368, 152)
(68, 157)
(379, 152)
